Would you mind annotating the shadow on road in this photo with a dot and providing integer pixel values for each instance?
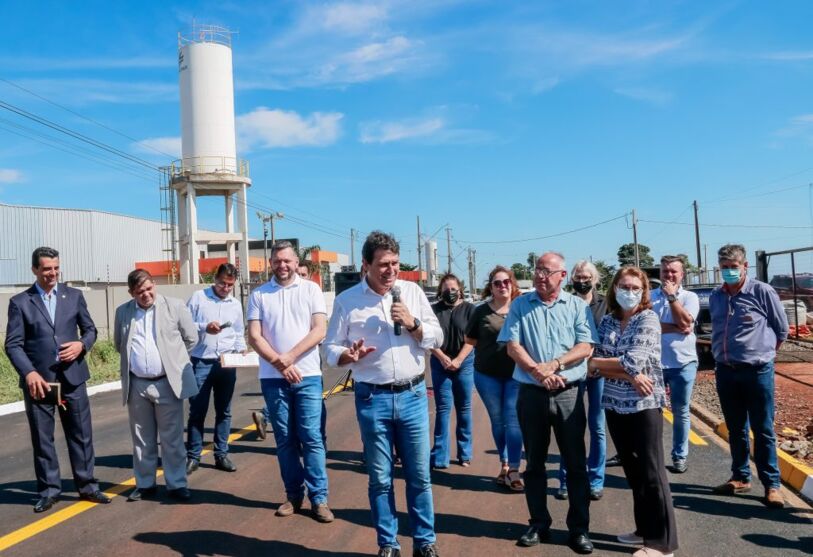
(211, 542)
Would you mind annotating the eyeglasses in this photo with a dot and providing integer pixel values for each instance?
(545, 273)
(505, 283)
(630, 289)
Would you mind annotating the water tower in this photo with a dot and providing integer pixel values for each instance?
(209, 165)
(431, 251)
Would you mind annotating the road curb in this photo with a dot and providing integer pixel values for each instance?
(793, 472)
(19, 406)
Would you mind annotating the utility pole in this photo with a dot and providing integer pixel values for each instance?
(472, 273)
(706, 259)
(265, 243)
(449, 248)
(266, 218)
(635, 239)
(697, 236)
(353, 233)
(420, 265)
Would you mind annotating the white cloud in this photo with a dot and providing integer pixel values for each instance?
(10, 176)
(651, 96)
(368, 62)
(36, 64)
(352, 18)
(77, 91)
(170, 146)
(387, 132)
(790, 55)
(273, 128)
(801, 125)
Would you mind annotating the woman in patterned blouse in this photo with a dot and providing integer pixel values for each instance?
(629, 358)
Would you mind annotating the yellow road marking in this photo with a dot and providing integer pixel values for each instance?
(694, 438)
(79, 507)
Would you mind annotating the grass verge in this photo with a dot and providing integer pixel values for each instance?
(103, 361)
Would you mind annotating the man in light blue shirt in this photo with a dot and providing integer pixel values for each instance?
(219, 318)
(550, 334)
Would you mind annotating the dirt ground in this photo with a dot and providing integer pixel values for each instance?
(794, 406)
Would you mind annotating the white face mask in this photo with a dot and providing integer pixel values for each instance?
(628, 299)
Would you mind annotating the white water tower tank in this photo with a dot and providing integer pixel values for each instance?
(207, 101)
(431, 250)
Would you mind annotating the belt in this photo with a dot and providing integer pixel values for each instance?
(156, 378)
(554, 391)
(396, 387)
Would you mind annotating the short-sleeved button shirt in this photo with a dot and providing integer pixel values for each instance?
(549, 331)
(285, 313)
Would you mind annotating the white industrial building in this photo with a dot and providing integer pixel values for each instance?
(94, 246)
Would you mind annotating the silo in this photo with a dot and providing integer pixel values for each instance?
(207, 101)
(431, 251)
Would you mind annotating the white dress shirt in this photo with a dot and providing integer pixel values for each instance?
(359, 312)
(286, 315)
(206, 306)
(145, 360)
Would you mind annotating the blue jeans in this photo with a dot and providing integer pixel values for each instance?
(452, 389)
(296, 414)
(211, 378)
(323, 427)
(390, 421)
(598, 438)
(746, 397)
(500, 399)
(681, 382)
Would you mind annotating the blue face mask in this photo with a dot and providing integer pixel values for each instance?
(730, 276)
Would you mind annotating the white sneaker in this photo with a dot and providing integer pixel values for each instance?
(649, 552)
(631, 539)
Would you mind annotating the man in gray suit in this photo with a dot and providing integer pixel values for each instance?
(154, 334)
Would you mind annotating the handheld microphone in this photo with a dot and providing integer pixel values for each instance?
(396, 298)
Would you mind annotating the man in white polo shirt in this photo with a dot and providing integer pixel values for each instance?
(677, 308)
(286, 322)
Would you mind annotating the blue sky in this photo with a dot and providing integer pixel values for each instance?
(506, 120)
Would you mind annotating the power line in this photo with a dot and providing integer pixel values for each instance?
(87, 118)
(76, 135)
(728, 225)
(566, 232)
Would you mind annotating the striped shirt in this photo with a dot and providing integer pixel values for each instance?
(638, 349)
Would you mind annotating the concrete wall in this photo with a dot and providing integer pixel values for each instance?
(102, 304)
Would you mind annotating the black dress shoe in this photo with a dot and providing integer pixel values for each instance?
(224, 463)
(192, 464)
(181, 494)
(44, 504)
(614, 461)
(580, 543)
(532, 536)
(389, 551)
(141, 493)
(430, 550)
(95, 497)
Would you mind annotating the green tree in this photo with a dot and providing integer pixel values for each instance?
(521, 271)
(531, 261)
(407, 266)
(606, 273)
(626, 255)
(304, 255)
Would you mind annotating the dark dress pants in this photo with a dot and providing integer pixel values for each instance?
(638, 440)
(76, 425)
(539, 410)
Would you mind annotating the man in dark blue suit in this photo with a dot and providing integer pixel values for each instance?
(44, 344)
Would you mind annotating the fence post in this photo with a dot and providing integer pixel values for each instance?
(762, 266)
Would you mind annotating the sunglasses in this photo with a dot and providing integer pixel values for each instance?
(505, 283)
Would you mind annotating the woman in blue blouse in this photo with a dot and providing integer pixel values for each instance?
(629, 358)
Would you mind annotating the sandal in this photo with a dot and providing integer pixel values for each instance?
(502, 476)
(513, 481)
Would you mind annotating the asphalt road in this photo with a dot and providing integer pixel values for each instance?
(233, 514)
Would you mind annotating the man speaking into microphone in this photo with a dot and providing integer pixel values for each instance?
(382, 328)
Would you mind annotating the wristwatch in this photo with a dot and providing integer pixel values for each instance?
(559, 364)
(671, 298)
(414, 327)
